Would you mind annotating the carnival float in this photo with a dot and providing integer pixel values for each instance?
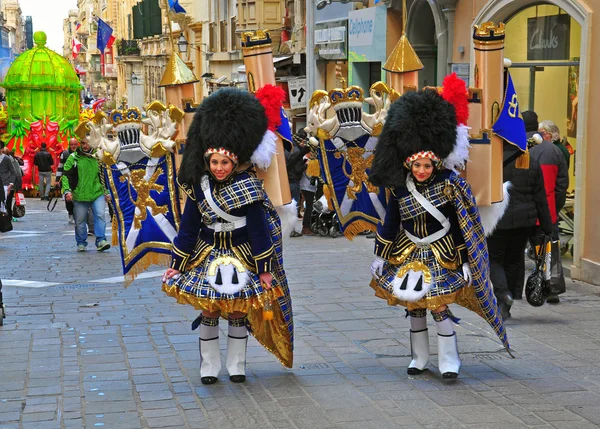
(42, 105)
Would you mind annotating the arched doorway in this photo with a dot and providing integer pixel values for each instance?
(517, 10)
(421, 32)
(427, 32)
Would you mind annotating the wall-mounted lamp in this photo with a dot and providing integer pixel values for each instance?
(134, 79)
(182, 44)
(320, 4)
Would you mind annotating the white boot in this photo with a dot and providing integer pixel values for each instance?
(236, 350)
(448, 359)
(210, 354)
(419, 348)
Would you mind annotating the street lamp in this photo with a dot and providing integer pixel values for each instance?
(134, 79)
(182, 44)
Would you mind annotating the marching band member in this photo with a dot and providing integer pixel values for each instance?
(226, 258)
(431, 249)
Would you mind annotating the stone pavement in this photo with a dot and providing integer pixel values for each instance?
(78, 350)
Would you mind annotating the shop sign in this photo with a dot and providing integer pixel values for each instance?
(548, 37)
(330, 38)
(361, 26)
(367, 34)
(297, 93)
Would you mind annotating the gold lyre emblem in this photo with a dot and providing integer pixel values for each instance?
(513, 104)
(359, 164)
(144, 200)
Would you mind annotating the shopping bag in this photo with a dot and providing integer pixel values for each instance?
(18, 210)
(556, 282)
(536, 288)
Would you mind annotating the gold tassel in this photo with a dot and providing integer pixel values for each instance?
(151, 258)
(523, 161)
(115, 231)
(313, 169)
(328, 192)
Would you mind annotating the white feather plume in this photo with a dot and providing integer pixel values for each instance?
(263, 154)
(491, 215)
(288, 214)
(460, 155)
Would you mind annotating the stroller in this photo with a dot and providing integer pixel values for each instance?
(324, 221)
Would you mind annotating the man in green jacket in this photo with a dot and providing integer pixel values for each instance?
(81, 184)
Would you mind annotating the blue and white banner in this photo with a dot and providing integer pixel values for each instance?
(345, 166)
(145, 200)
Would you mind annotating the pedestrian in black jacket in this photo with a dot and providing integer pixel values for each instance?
(506, 245)
(44, 163)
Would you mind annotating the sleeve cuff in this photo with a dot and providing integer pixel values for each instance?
(179, 259)
(383, 247)
(264, 261)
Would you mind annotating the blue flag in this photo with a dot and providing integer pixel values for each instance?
(284, 130)
(510, 125)
(175, 6)
(105, 38)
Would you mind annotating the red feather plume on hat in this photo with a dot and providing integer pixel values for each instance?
(455, 92)
(271, 97)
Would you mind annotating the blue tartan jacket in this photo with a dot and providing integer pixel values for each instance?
(404, 213)
(242, 196)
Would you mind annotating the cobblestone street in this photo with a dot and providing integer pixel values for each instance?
(79, 350)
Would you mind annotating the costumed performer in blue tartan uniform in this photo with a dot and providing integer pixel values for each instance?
(227, 258)
(431, 249)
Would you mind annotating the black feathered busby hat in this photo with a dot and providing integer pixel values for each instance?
(419, 121)
(231, 122)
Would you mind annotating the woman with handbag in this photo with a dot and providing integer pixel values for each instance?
(527, 205)
(226, 258)
(430, 250)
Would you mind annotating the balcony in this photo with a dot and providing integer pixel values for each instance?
(128, 47)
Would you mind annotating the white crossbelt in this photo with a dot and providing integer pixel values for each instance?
(431, 209)
(233, 222)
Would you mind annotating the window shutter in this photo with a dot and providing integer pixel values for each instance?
(146, 13)
(138, 22)
(155, 17)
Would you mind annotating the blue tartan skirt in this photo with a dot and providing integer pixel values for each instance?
(446, 283)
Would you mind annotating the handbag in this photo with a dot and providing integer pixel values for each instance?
(5, 222)
(536, 289)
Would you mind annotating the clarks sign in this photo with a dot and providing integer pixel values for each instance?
(548, 37)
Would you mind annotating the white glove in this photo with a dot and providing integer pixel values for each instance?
(467, 273)
(377, 267)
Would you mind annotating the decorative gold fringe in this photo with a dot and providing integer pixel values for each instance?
(115, 231)
(313, 169)
(523, 161)
(357, 227)
(150, 258)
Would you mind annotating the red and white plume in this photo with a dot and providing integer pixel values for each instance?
(271, 97)
(454, 91)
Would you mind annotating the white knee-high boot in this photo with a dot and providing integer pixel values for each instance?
(419, 342)
(448, 359)
(209, 350)
(236, 350)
